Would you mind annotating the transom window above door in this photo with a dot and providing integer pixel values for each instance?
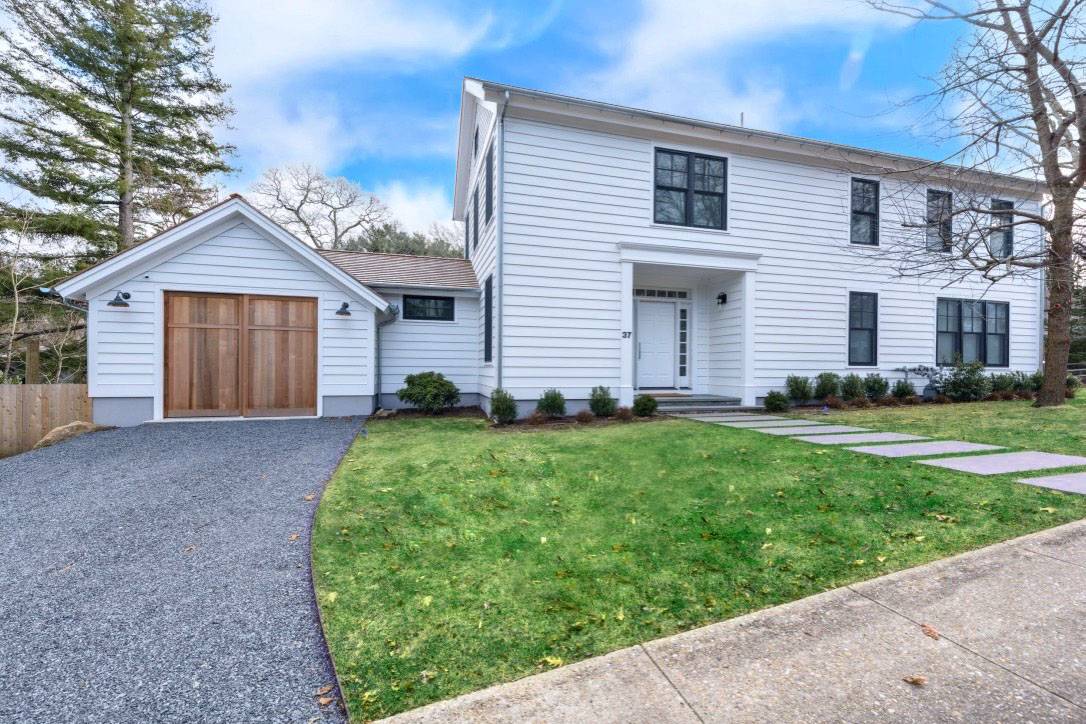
(661, 293)
(690, 190)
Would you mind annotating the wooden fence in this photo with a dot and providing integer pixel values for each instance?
(28, 412)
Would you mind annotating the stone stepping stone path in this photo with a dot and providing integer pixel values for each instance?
(771, 423)
(920, 449)
(1001, 463)
(746, 418)
(807, 430)
(1068, 483)
(859, 437)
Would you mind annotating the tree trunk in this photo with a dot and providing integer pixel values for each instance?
(127, 225)
(1059, 277)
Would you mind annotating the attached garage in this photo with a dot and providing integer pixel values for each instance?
(240, 355)
(226, 315)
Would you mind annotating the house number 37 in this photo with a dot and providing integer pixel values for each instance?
(627, 335)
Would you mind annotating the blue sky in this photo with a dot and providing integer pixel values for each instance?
(370, 89)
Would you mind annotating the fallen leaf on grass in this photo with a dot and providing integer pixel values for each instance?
(929, 631)
(1047, 510)
(916, 680)
(551, 661)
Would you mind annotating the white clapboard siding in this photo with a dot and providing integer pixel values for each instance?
(126, 355)
(483, 253)
(572, 195)
(451, 348)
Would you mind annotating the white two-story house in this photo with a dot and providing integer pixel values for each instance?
(603, 246)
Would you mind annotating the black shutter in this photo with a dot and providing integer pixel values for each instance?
(488, 319)
(490, 184)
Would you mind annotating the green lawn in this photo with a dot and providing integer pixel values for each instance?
(449, 557)
(1012, 424)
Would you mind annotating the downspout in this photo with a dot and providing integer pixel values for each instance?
(499, 238)
(50, 292)
(394, 313)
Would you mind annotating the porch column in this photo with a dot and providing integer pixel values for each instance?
(748, 338)
(626, 336)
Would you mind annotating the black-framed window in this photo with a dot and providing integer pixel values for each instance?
(475, 217)
(940, 220)
(475, 143)
(467, 236)
(429, 309)
(864, 226)
(863, 329)
(690, 190)
(488, 319)
(1001, 238)
(489, 184)
(972, 331)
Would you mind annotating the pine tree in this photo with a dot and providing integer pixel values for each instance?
(107, 111)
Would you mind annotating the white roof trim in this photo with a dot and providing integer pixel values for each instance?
(694, 257)
(159, 248)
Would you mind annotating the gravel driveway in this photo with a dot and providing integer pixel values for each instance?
(149, 574)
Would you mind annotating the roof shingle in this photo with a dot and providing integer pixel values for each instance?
(403, 269)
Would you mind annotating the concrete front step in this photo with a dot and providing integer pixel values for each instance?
(701, 409)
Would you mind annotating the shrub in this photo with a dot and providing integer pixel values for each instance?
(551, 404)
(536, 418)
(903, 389)
(1022, 381)
(776, 401)
(967, 382)
(1073, 383)
(601, 403)
(852, 387)
(1036, 380)
(827, 384)
(1002, 382)
(429, 392)
(644, 405)
(834, 402)
(624, 413)
(876, 386)
(585, 416)
(799, 388)
(503, 408)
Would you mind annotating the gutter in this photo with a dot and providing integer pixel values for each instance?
(51, 292)
(394, 311)
(499, 239)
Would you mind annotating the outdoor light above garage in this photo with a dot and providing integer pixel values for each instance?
(121, 300)
(344, 310)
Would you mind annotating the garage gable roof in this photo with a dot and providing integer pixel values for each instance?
(164, 245)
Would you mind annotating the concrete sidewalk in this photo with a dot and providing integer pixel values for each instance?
(1011, 646)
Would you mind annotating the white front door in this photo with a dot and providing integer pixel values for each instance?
(655, 344)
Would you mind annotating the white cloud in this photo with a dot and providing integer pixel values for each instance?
(416, 206)
(266, 38)
(684, 56)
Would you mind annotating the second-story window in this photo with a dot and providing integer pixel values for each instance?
(940, 220)
(865, 212)
(1001, 239)
(489, 184)
(690, 190)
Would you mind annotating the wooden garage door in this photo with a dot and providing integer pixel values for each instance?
(229, 354)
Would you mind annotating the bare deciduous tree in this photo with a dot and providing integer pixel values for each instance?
(1014, 94)
(328, 212)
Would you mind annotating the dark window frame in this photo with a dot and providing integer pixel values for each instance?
(959, 334)
(475, 218)
(873, 329)
(689, 191)
(489, 205)
(940, 230)
(1003, 223)
(874, 215)
(467, 236)
(488, 319)
(475, 143)
(429, 297)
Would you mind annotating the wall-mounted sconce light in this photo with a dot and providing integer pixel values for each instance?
(344, 310)
(120, 300)
(722, 298)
